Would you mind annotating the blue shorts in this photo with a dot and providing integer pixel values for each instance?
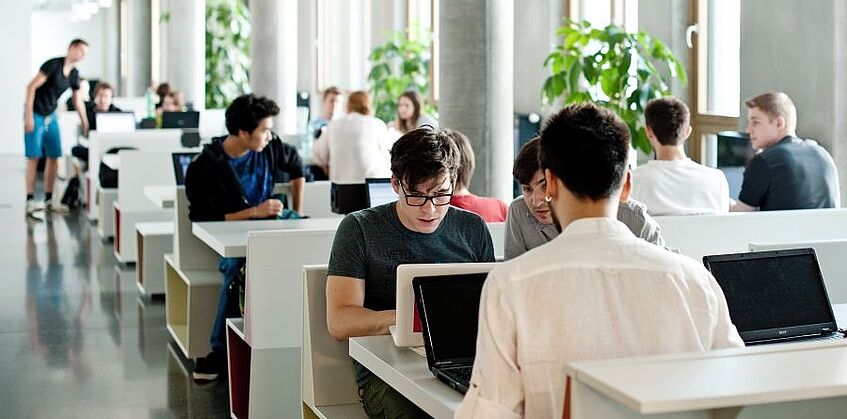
(44, 140)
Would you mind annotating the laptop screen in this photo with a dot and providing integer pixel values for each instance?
(380, 191)
(773, 294)
(190, 119)
(181, 162)
(449, 307)
(115, 122)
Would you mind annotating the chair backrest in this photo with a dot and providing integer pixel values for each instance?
(189, 252)
(830, 255)
(328, 377)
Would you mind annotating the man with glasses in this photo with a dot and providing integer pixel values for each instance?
(421, 227)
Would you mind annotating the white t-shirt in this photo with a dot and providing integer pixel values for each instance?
(595, 292)
(354, 147)
(680, 187)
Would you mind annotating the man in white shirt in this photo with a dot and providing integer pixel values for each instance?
(596, 291)
(673, 184)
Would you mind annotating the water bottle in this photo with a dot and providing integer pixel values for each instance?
(148, 103)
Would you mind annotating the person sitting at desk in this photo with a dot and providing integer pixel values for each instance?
(330, 109)
(103, 94)
(420, 227)
(490, 209)
(410, 113)
(530, 223)
(788, 173)
(594, 292)
(672, 184)
(172, 102)
(233, 179)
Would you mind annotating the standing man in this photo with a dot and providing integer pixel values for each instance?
(41, 130)
(789, 172)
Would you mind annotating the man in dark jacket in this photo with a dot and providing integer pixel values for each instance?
(233, 179)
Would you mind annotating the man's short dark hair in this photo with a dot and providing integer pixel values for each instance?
(76, 42)
(667, 117)
(424, 154)
(587, 147)
(467, 160)
(245, 113)
(526, 163)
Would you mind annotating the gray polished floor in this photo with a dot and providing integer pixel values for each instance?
(76, 341)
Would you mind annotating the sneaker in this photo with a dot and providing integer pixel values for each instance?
(210, 367)
(33, 206)
(56, 207)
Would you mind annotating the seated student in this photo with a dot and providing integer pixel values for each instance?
(103, 94)
(789, 173)
(420, 227)
(530, 223)
(233, 179)
(594, 292)
(490, 209)
(330, 109)
(162, 90)
(410, 113)
(673, 184)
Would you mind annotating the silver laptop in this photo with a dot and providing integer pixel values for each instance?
(775, 296)
(380, 191)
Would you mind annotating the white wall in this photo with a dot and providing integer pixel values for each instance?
(14, 77)
(535, 26)
(51, 31)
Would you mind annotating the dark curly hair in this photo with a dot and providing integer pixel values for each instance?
(587, 147)
(423, 154)
(246, 111)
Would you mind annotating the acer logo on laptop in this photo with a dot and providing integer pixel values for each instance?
(782, 332)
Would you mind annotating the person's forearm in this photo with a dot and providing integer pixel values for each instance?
(245, 214)
(297, 186)
(350, 321)
(29, 103)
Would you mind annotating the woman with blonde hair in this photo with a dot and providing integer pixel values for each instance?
(355, 146)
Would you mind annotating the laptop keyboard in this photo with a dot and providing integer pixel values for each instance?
(460, 374)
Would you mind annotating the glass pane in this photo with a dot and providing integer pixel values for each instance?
(630, 17)
(598, 12)
(724, 46)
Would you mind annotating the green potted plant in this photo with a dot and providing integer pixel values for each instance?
(613, 68)
(400, 64)
(228, 28)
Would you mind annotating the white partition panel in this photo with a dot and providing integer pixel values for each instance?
(699, 235)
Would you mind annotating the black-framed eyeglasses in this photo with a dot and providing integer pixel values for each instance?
(420, 200)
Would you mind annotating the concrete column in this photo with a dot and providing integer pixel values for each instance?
(476, 86)
(138, 49)
(306, 43)
(274, 55)
(536, 22)
(186, 54)
(807, 62)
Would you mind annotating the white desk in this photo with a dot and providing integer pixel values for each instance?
(163, 196)
(407, 372)
(112, 161)
(761, 374)
(229, 238)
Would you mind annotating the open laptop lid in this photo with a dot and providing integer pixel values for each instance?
(379, 191)
(449, 316)
(774, 294)
(405, 332)
(181, 162)
(115, 122)
(188, 119)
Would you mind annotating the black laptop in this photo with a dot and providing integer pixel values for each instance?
(181, 162)
(449, 312)
(775, 296)
(189, 119)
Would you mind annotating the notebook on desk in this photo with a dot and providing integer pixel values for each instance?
(449, 317)
(775, 296)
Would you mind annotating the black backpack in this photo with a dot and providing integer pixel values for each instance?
(72, 197)
(109, 176)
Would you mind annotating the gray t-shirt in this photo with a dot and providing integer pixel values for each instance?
(371, 243)
(524, 232)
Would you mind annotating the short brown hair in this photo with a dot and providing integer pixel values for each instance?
(467, 160)
(667, 117)
(359, 102)
(331, 90)
(526, 163)
(423, 154)
(163, 89)
(103, 86)
(76, 42)
(775, 104)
